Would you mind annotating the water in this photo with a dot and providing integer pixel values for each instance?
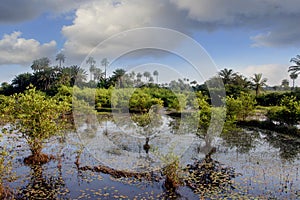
(267, 161)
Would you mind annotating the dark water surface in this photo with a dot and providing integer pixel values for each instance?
(267, 161)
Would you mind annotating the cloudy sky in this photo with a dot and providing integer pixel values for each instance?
(249, 36)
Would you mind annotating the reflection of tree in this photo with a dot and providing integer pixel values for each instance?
(41, 187)
(187, 123)
(240, 139)
(289, 147)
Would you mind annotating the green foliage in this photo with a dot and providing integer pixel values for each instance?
(178, 103)
(35, 116)
(287, 113)
(271, 99)
(204, 113)
(120, 98)
(239, 108)
(103, 98)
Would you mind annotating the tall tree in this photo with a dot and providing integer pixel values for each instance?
(139, 76)
(258, 83)
(91, 61)
(104, 63)
(118, 76)
(98, 74)
(295, 68)
(151, 79)
(45, 79)
(61, 58)
(40, 64)
(227, 75)
(147, 75)
(155, 73)
(22, 81)
(285, 84)
(78, 75)
(293, 76)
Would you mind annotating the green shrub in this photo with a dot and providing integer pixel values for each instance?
(287, 113)
(35, 116)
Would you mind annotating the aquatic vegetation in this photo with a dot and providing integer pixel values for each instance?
(208, 176)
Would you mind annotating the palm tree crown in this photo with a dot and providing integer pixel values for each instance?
(155, 73)
(295, 68)
(227, 75)
(91, 61)
(258, 82)
(61, 58)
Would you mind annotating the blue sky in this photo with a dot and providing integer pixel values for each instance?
(250, 36)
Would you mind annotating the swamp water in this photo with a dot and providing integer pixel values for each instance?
(267, 162)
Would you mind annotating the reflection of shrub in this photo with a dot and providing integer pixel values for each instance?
(172, 170)
(5, 172)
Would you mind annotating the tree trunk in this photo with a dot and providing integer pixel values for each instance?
(37, 157)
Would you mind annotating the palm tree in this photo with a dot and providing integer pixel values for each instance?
(227, 75)
(40, 64)
(92, 63)
(258, 83)
(118, 76)
(147, 75)
(104, 63)
(155, 73)
(21, 81)
(285, 83)
(64, 76)
(98, 74)
(242, 81)
(45, 79)
(139, 76)
(151, 79)
(295, 68)
(77, 74)
(61, 58)
(293, 76)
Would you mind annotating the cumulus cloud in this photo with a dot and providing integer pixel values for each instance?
(275, 73)
(17, 50)
(99, 20)
(275, 21)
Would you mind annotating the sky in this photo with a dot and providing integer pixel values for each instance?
(248, 36)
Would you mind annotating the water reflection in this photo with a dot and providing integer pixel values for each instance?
(243, 140)
(41, 186)
(262, 159)
(288, 146)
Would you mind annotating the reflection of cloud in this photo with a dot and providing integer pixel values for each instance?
(17, 50)
(275, 73)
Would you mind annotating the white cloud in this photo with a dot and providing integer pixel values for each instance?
(95, 21)
(17, 50)
(275, 73)
(99, 20)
